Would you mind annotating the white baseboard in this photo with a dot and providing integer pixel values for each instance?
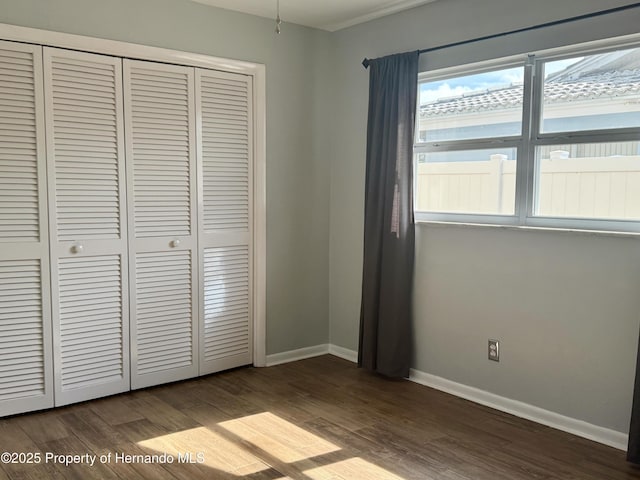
(523, 410)
(343, 353)
(299, 354)
(580, 428)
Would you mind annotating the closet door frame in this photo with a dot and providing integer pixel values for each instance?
(256, 70)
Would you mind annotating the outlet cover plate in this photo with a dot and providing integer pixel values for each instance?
(494, 350)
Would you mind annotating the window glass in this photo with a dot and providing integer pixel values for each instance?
(467, 181)
(592, 92)
(483, 105)
(592, 180)
(581, 167)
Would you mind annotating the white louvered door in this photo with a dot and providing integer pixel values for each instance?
(85, 155)
(225, 219)
(26, 375)
(160, 132)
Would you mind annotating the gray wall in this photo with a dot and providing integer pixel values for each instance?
(297, 249)
(564, 305)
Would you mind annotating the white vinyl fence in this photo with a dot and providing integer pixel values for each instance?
(596, 187)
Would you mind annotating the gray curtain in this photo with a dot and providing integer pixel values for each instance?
(387, 275)
(633, 449)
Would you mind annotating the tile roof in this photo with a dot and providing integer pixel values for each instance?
(594, 77)
(554, 92)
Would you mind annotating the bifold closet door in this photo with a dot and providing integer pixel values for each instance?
(26, 375)
(224, 102)
(160, 138)
(87, 211)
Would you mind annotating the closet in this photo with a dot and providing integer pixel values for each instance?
(125, 221)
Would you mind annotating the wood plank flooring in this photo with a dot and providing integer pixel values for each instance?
(317, 419)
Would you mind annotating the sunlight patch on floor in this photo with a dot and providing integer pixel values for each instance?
(279, 438)
(217, 452)
(265, 435)
(352, 468)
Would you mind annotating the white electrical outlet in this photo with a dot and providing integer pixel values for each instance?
(494, 350)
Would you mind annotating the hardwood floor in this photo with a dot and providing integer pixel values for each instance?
(320, 418)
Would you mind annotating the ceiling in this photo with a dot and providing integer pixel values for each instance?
(328, 15)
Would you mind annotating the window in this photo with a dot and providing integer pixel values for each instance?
(547, 141)
(456, 108)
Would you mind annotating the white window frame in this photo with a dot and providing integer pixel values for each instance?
(528, 140)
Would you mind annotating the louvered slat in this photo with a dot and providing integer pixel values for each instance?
(160, 103)
(21, 330)
(91, 334)
(226, 302)
(84, 100)
(163, 311)
(19, 212)
(225, 146)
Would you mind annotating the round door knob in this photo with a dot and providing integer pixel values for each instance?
(77, 248)
(174, 243)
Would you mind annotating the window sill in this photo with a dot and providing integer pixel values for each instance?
(528, 228)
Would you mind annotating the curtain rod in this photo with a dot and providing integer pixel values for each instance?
(608, 11)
